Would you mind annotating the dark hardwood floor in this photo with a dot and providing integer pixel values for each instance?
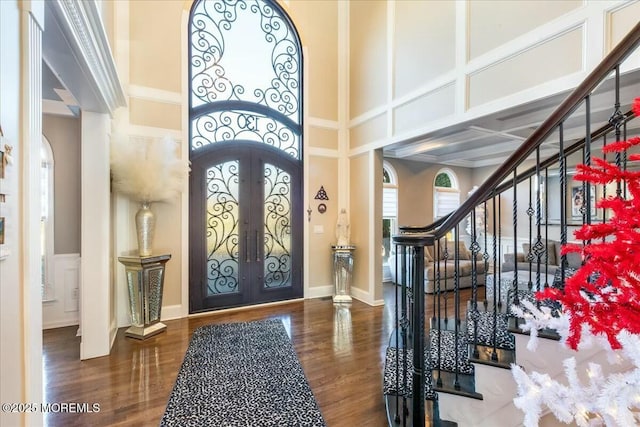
(341, 352)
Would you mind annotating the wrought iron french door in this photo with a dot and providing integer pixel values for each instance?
(245, 226)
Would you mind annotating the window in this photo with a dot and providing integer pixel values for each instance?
(245, 76)
(446, 194)
(46, 219)
(389, 214)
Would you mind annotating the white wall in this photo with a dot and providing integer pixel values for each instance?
(96, 317)
(20, 118)
(63, 308)
(12, 386)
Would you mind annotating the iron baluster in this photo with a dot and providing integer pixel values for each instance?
(616, 120)
(530, 212)
(563, 199)
(456, 302)
(514, 216)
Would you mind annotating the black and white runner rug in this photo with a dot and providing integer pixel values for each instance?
(242, 374)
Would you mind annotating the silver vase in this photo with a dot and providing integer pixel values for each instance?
(145, 226)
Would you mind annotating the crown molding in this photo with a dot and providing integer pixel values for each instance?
(77, 35)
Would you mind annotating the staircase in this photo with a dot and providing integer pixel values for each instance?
(454, 368)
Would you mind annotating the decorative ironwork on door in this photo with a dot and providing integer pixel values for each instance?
(277, 227)
(246, 68)
(245, 111)
(222, 228)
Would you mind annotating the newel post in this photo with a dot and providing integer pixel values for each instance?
(417, 243)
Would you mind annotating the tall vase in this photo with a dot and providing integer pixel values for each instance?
(145, 226)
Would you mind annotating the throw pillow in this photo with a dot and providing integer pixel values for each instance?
(463, 252)
(428, 254)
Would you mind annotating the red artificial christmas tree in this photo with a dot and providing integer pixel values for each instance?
(604, 294)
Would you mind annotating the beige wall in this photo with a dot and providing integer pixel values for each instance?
(524, 16)
(415, 189)
(360, 176)
(322, 225)
(63, 133)
(375, 258)
(367, 55)
(154, 59)
(424, 43)
(322, 138)
(317, 24)
(514, 74)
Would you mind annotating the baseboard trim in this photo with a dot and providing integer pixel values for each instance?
(60, 324)
(246, 307)
(319, 292)
(172, 312)
(365, 297)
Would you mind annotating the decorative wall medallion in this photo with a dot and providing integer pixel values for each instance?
(321, 194)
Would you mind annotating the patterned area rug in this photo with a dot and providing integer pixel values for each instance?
(242, 374)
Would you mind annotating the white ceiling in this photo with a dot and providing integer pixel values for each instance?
(77, 70)
(56, 99)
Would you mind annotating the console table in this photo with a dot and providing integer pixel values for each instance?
(145, 279)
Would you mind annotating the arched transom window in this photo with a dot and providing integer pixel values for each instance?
(253, 96)
(446, 193)
(389, 214)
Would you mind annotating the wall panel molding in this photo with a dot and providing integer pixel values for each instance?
(157, 95)
(323, 152)
(153, 132)
(593, 19)
(323, 123)
(63, 310)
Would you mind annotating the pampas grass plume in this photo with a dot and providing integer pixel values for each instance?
(146, 170)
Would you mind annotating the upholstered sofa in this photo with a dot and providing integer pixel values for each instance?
(519, 260)
(446, 274)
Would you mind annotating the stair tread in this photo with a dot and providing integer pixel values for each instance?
(394, 406)
(486, 356)
(514, 327)
(445, 382)
(487, 306)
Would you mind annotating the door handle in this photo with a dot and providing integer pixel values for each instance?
(246, 246)
(257, 246)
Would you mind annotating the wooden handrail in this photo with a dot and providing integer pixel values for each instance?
(522, 176)
(556, 157)
(622, 50)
